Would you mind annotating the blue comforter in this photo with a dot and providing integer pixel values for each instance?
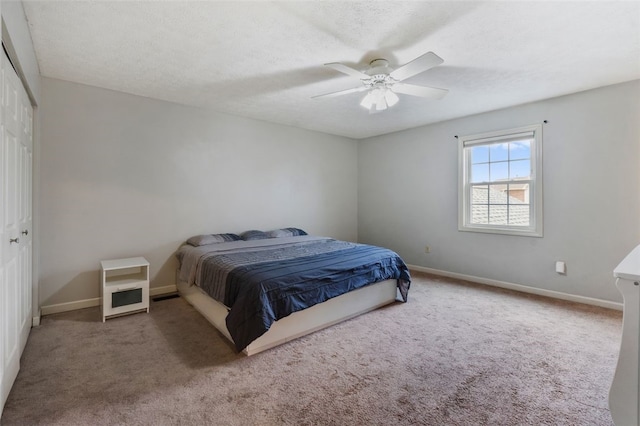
(263, 292)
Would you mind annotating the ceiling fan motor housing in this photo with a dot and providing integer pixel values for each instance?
(379, 71)
(378, 66)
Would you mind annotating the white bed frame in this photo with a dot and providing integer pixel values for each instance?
(300, 323)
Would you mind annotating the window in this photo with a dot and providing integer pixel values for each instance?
(500, 179)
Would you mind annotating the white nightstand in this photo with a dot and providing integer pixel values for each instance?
(124, 286)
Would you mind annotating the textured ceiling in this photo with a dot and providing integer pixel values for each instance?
(264, 59)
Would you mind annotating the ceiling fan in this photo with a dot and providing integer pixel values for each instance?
(383, 82)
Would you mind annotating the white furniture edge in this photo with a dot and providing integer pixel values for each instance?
(301, 323)
(129, 262)
(624, 393)
(522, 288)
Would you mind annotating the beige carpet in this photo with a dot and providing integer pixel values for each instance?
(455, 354)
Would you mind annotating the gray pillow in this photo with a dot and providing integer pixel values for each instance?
(254, 235)
(206, 239)
(286, 232)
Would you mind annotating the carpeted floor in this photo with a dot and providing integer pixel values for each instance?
(456, 354)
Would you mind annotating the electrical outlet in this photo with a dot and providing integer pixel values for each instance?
(427, 249)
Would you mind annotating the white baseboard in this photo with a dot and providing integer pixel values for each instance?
(70, 306)
(35, 321)
(155, 291)
(523, 288)
(89, 303)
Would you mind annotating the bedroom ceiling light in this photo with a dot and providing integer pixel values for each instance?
(381, 82)
(379, 99)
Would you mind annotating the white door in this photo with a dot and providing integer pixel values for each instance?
(15, 220)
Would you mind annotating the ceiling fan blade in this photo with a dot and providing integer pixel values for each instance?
(348, 70)
(422, 91)
(418, 65)
(341, 92)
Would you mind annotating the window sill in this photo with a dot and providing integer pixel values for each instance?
(502, 231)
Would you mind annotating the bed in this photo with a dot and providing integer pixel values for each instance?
(262, 289)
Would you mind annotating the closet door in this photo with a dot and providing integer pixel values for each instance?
(15, 219)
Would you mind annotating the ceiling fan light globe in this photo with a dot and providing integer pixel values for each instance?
(381, 105)
(377, 94)
(391, 98)
(367, 101)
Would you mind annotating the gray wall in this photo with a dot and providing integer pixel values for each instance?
(125, 176)
(408, 192)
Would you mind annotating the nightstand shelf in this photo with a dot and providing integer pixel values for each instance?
(125, 286)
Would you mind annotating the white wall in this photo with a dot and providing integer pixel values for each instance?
(125, 176)
(407, 188)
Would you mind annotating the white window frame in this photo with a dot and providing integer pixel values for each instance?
(535, 228)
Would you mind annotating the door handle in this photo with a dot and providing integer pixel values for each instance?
(14, 240)
(25, 232)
